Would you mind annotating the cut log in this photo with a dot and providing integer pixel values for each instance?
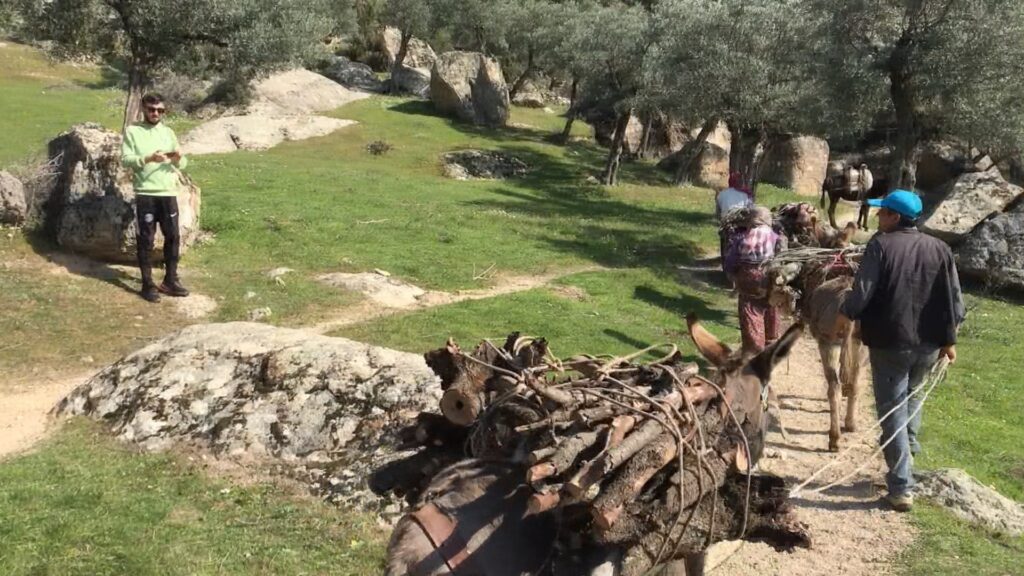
(631, 480)
(462, 405)
(590, 472)
(539, 472)
(571, 448)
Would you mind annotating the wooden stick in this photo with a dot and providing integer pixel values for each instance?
(590, 472)
(542, 502)
(538, 472)
(634, 476)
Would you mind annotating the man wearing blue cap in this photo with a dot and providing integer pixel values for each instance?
(907, 298)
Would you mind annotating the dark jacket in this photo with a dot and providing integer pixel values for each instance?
(907, 293)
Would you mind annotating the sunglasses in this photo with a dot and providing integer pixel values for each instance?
(156, 109)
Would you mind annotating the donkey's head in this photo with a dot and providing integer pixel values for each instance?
(744, 377)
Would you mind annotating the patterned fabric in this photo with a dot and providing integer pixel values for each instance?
(759, 320)
(752, 246)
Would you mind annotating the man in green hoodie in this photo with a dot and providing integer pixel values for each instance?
(150, 149)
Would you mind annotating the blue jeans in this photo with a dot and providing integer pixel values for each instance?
(895, 374)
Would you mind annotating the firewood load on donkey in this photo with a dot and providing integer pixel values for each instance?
(814, 284)
(635, 465)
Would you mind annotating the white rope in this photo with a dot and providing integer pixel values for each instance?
(935, 375)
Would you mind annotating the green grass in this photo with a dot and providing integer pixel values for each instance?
(610, 312)
(42, 98)
(83, 505)
(974, 419)
(950, 547)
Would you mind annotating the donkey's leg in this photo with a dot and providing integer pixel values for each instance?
(830, 363)
(833, 201)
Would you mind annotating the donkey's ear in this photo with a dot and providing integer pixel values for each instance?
(710, 347)
(765, 362)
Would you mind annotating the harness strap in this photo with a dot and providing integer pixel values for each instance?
(441, 531)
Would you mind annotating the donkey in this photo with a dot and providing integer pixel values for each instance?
(821, 291)
(475, 518)
(853, 184)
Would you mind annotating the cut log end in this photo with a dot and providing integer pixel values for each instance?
(459, 407)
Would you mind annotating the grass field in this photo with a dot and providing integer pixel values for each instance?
(327, 205)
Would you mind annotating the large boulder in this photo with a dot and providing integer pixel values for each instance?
(414, 81)
(299, 91)
(418, 55)
(257, 132)
(13, 208)
(961, 494)
(709, 170)
(324, 409)
(962, 204)
(90, 209)
(940, 162)
(797, 163)
(284, 108)
(994, 251)
(471, 87)
(353, 75)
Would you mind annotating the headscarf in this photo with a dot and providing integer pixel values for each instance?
(736, 182)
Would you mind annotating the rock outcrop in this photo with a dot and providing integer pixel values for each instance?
(353, 75)
(90, 209)
(325, 408)
(958, 492)
(709, 170)
(471, 87)
(964, 203)
(483, 165)
(13, 207)
(418, 55)
(994, 251)
(798, 163)
(409, 80)
(284, 108)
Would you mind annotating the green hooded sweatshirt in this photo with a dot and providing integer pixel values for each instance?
(152, 178)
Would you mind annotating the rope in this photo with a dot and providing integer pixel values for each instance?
(936, 375)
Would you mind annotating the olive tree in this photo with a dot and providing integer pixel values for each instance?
(744, 62)
(934, 67)
(239, 39)
(611, 47)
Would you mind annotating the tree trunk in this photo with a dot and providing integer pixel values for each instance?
(689, 154)
(403, 49)
(645, 136)
(570, 116)
(748, 147)
(137, 80)
(518, 84)
(902, 170)
(611, 169)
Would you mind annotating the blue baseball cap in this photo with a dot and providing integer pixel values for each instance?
(903, 202)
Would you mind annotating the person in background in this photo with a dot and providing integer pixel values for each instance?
(150, 150)
(907, 298)
(735, 197)
(753, 244)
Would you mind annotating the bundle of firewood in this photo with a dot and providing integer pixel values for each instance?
(650, 457)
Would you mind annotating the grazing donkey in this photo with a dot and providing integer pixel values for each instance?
(475, 520)
(853, 184)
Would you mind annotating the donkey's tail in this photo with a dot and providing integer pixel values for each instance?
(850, 360)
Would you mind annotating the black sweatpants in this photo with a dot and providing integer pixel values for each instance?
(153, 210)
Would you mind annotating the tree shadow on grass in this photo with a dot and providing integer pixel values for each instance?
(583, 220)
(590, 157)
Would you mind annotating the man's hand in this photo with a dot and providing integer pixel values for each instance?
(157, 156)
(174, 157)
(949, 352)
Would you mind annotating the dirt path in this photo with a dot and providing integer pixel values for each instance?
(24, 412)
(853, 532)
(370, 310)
